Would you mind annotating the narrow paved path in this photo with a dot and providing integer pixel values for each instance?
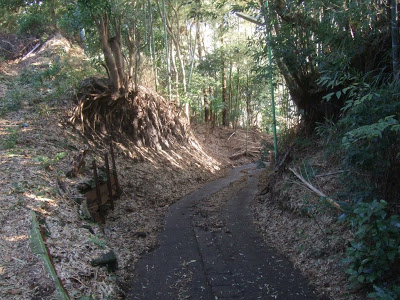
(193, 262)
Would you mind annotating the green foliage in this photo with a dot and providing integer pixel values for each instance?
(373, 255)
(329, 132)
(371, 132)
(34, 18)
(49, 84)
(371, 139)
(46, 162)
(97, 241)
(302, 143)
(385, 293)
(33, 24)
(90, 297)
(266, 148)
(367, 138)
(10, 141)
(13, 100)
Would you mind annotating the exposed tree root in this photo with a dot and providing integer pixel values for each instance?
(143, 116)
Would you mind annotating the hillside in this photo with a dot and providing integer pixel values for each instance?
(178, 96)
(38, 142)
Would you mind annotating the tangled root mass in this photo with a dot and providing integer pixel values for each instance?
(143, 116)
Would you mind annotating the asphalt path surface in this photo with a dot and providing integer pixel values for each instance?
(192, 262)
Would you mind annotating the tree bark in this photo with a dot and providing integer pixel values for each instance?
(152, 45)
(230, 91)
(207, 111)
(163, 14)
(102, 26)
(395, 39)
(223, 87)
(176, 74)
(115, 44)
(177, 42)
(237, 98)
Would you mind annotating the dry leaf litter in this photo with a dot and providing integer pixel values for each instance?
(303, 226)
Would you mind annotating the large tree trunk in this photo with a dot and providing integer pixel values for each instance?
(116, 47)
(115, 81)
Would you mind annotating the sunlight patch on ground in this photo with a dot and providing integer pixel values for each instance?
(15, 238)
(41, 199)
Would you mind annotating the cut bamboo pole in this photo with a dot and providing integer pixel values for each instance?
(315, 190)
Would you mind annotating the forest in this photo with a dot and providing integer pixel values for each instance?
(310, 86)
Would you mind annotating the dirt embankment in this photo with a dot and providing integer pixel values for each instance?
(300, 223)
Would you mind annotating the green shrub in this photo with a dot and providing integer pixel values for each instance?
(46, 162)
(373, 256)
(33, 24)
(385, 293)
(368, 138)
(10, 141)
(371, 143)
(13, 100)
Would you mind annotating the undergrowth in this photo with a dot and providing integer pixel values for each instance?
(367, 138)
(44, 85)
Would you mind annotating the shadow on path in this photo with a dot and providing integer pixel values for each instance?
(234, 263)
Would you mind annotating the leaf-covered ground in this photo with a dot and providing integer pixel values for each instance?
(301, 224)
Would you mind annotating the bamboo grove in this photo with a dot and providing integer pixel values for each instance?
(198, 54)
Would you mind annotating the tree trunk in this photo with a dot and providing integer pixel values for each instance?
(176, 75)
(236, 109)
(207, 112)
(137, 60)
(395, 39)
(193, 51)
(152, 45)
(131, 50)
(163, 14)
(102, 26)
(230, 92)
(115, 44)
(223, 87)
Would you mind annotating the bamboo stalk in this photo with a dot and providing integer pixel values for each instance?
(38, 247)
(315, 190)
(329, 174)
